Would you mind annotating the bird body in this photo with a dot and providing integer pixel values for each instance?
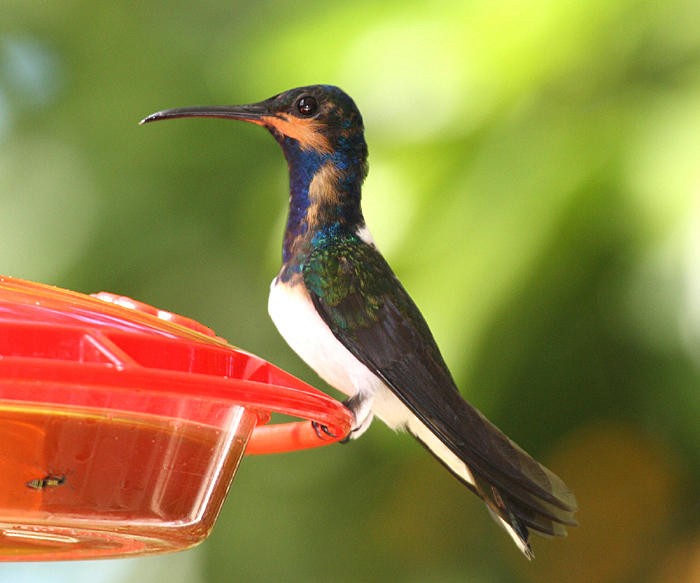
(339, 305)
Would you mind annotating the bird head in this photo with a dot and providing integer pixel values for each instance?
(320, 120)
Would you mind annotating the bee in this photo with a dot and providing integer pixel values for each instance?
(48, 481)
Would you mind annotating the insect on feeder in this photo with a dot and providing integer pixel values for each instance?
(122, 426)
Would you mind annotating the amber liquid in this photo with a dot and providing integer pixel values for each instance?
(75, 486)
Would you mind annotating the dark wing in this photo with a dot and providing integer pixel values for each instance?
(370, 312)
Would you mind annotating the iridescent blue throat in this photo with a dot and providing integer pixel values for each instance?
(333, 206)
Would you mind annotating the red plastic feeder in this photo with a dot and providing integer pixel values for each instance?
(122, 426)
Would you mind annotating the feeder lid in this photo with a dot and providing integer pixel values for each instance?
(49, 334)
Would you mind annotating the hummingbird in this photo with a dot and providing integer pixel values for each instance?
(341, 308)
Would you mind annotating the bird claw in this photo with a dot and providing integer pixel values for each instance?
(322, 431)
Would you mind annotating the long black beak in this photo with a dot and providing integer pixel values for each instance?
(253, 113)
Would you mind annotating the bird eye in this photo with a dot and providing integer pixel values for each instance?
(307, 105)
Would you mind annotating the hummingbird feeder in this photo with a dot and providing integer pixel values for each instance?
(122, 426)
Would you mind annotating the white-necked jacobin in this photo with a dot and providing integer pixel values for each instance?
(339, 305)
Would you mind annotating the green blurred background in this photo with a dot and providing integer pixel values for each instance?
(534, 181)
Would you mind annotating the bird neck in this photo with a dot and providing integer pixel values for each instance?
(324, 198)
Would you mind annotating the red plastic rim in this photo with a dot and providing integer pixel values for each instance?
(55, 336)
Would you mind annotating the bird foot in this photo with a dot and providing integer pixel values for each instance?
(361, 407)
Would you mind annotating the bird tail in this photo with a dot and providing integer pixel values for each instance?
(534, 499)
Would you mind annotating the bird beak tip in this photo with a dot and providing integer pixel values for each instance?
(149, 118)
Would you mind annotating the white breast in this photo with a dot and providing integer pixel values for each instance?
(293, 312)
(295, 316)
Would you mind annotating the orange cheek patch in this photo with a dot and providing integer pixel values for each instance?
(305, 131)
